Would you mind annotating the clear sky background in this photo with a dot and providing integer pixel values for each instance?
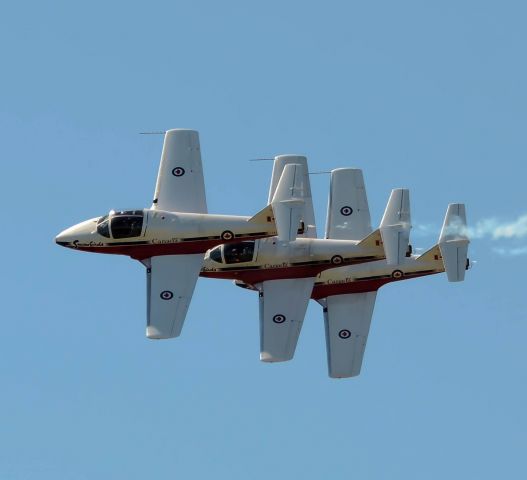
(425, 95)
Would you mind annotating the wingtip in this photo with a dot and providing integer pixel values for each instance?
(154, 334)
(267, 357)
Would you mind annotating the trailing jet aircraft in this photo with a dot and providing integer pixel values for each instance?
(347, 294)
(171, 236)
(284, 270)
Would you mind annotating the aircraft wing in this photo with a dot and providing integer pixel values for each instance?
(283, 305)
(348, 216)
(170, 284)
(180, 185)
(347, 320)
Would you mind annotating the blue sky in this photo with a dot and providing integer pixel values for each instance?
(425, 95)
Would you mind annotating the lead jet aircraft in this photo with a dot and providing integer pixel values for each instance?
(171, 236)
(283, 269)
(347, 294)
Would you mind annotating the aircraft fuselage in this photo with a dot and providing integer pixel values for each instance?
(365, 277)
(142, 234)
(269, 259)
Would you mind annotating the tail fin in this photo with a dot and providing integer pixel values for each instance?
(372, 240)
(453, 242)
(266, 215)
(288, 201)
(430, 255)
(395, 226)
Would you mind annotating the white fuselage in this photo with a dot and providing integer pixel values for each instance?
(146, 233)
(369, 277)
(269, 259)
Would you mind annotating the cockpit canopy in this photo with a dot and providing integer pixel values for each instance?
(233, 252)
(121, 224)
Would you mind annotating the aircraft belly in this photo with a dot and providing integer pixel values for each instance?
(360, 285)
(252, 275)
(140, 250)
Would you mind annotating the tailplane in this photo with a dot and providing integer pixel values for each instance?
(395, 226)
(288, 201)
(453, 242)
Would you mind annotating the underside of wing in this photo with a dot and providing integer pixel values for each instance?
(180, 185)
(283, 305)
(347, 320)
(170, 284)
(348, 216)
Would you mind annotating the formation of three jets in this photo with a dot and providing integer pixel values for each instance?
(276, 252)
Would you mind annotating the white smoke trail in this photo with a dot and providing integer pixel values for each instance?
(516, 229)
(488, 228)
(510, 252)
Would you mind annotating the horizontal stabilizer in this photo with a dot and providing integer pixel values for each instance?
(395, 226)
(453, 242)
(288, 201)
(308, 217)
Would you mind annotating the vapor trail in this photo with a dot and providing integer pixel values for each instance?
(489, 228)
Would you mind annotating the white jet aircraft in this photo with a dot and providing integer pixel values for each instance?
(347, 294)
(171, 237)
(283, 270)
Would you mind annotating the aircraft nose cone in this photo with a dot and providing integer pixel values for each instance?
(62, 239)
(83, 232)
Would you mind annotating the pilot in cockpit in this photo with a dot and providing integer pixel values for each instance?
(122, 224)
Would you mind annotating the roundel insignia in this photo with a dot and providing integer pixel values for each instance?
(336, 260)
(166, 295)
(279, 318)
(178, 171)
(346, 211)
(397, 274)
(344, 334)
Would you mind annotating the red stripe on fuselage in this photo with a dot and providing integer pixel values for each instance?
(258, 274)
(358, 286)
(142, 251)
(262, 274)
